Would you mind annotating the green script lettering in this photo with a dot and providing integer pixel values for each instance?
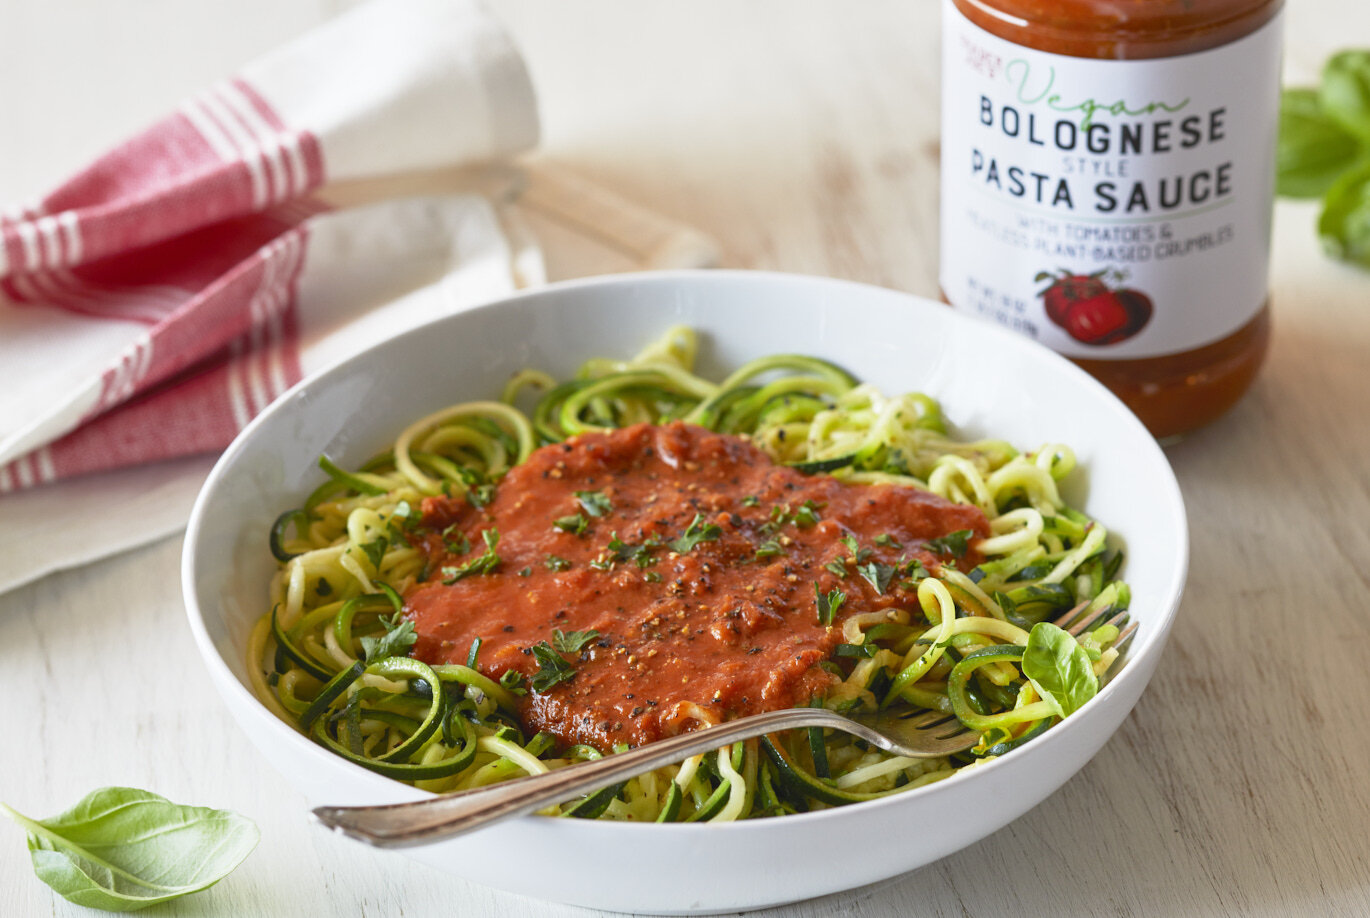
(1019, 73)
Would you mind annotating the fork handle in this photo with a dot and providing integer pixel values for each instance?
(418, 822)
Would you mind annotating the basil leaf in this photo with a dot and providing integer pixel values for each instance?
(1344, 223)
(1058, 668)
(121, 849)
(1345, 91)
(1313, 149)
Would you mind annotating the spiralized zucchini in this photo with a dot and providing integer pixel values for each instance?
(330, 657)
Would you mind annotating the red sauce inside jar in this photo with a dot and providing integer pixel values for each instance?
(727, 628)
(1174, 393)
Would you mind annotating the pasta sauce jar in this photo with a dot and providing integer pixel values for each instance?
(1107, 187)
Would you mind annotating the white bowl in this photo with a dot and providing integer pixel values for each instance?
(990, 382)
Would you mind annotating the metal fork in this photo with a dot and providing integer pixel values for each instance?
(925, 734)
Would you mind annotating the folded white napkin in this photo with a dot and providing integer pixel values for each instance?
(348, 186)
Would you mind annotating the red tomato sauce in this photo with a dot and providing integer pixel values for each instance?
(718, 631)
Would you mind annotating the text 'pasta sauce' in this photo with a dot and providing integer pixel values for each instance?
(695, 558)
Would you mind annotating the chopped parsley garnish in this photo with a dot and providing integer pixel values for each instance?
(575, 523)
(554, 563)
(398, 638)
(375, 550)
(457, 544)
(572, 641)
(619, 550)
(526, 572)
(484, 564)
(514, 681)
(751, 500)
(552, 667)
(768, 549)
(827, 604)
(698, 531)
(887, 540)
(877, 575)
(479, 491)
(402, 519)
(837, 566)
(914, 570)
(806, 516)
(473, 653)
(480, 495)
(858, 555)
(594, 502)
(652, 577)
(953, 543)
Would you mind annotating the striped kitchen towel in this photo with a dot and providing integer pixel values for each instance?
(160, 298)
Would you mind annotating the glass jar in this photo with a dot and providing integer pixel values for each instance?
(1107, 187)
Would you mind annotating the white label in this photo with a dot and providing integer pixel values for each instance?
(1109, 209)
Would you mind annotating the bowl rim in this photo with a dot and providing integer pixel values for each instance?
(1144, 646)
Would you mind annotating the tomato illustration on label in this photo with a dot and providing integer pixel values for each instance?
(1091, 311)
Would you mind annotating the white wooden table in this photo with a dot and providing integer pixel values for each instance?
(803, 135)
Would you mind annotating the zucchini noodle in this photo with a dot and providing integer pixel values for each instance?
(330, 655)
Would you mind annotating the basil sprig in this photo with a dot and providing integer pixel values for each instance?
(122, 849)
(1324, 151)
(1059, 668)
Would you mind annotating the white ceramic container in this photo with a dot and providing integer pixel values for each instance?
(990, 382)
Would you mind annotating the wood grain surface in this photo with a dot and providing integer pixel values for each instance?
(803, 136)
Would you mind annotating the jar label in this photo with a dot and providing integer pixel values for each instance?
(1109, 209)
